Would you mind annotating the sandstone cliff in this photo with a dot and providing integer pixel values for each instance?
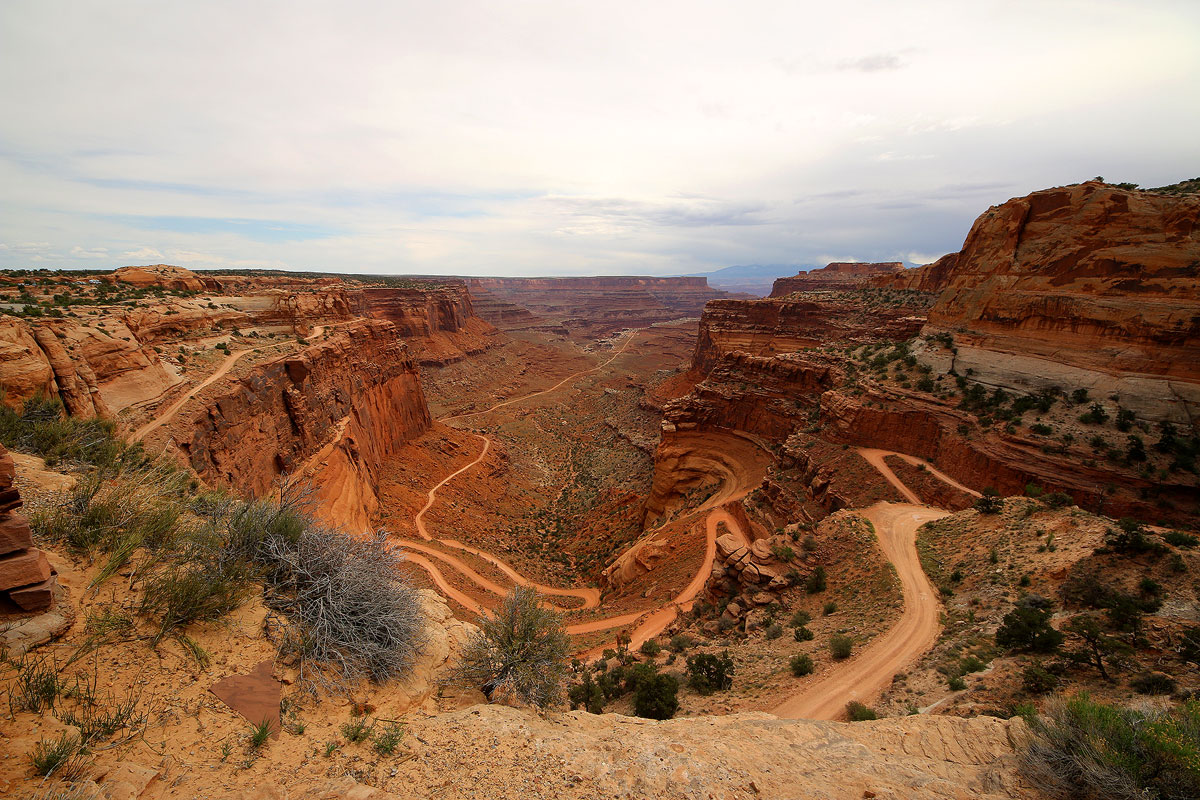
(770, 327)
(438, 317)
(96, 368)
(335, 411)
(839, 275)
(928, 278)
(1087, 286)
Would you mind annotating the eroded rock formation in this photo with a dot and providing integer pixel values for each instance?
(27, 581)
(839, 275)
(334, 413)
(1087, 286)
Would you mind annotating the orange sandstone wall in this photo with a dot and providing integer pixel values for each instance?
(339, 409)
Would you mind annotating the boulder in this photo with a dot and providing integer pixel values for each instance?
(23, 568)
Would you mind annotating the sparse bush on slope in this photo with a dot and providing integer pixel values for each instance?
(520, 651)
(197, 557)
(1089, 750)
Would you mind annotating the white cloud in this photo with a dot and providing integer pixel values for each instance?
(546, 136)
(141, 255)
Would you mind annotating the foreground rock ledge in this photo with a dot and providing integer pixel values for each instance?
(499, 752)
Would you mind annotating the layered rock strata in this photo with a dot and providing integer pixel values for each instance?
(839, 275)
(333, 413)
(770, 327)
(597, 306)
(27, 581)
(1087, 286)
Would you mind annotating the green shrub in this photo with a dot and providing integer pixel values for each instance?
(1027, 627)
(1082, 748)
(829, 608)
(196, 589)
(657, 698)
(816, 582)
(801, 665)
(990, 502)
(1038, 680)
(971, 664)
(388, 739)
(1153, 683)
(857, 712)
(774, 630)
(650, 648)
(840, 646)
(803, 634)
(587, 694)
(259, 734)
(521, 650)
(1180, 539)
(681, 642)
(956, 683)
(42, 427)
(36, 687)
(1096, 415)
(358, 730)
(60, 758)
(800, 619)
(708, 673)
(637, 674)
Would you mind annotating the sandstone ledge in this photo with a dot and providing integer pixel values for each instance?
(493, 751)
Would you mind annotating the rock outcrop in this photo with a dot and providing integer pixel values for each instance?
(1088, 286)
(770, 327)
(332, 413)
(740, 755)
(438, 318)
(163, 276)
(839, 275)
(27, 581)
(96, 368)
(927, 278)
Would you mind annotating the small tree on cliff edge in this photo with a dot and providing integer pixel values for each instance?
(520, 651)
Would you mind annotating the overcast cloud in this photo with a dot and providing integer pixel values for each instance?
(559, 137)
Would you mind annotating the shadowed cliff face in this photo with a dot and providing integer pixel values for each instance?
(332, 413)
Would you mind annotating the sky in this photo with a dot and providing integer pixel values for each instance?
(568, 138)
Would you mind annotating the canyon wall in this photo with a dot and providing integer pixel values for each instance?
(103, 358)
(439, 318)
(839, 275)
(774, 326)
(333, 413)
(597, 306)
(1087, 286)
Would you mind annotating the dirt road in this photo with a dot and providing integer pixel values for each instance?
(173, 409)
(649, 623)
(870, 670)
